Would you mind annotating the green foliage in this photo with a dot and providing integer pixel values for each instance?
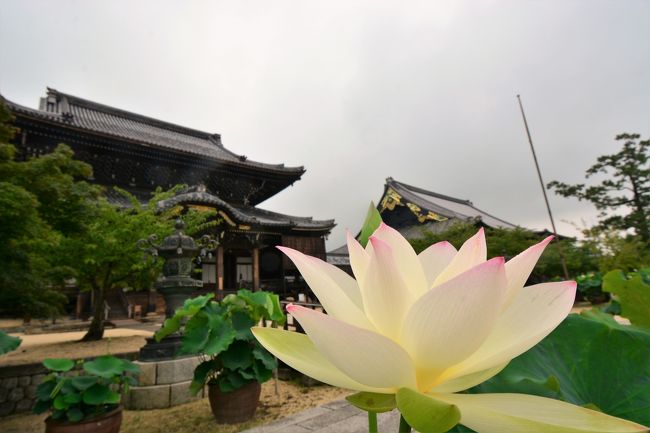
(589, 360)
(107, 258)
(633, 294)
(626, 187)
(42, 200)
(425, 413)
(371, 223)
(617, 250)
(8, 343)
(590, 286)
(58, 364)
(510, 242)
(75, 398)
(220, 331)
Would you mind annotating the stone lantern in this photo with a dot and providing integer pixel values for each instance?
(176, 285)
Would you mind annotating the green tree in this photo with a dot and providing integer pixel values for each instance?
(626, 188)
(42, 200)
(106, 258)
(510, 242)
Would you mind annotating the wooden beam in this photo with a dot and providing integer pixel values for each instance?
(256, 269)
(219, 268)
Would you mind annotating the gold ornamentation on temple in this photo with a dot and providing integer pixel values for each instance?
(423, 217)
(390, 200)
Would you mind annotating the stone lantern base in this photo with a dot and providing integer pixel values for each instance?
(166, 349)
(163, 384)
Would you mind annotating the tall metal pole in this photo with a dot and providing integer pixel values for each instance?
(541, 183)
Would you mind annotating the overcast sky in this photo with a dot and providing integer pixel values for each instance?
(356, 91)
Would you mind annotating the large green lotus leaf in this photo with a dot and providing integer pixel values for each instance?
(371, 223)
(45, 389)
(260, 372)
(196, 333)
(41, 406)
(594, 360)
(193, 305)
(73, 398)
(201, 374)
(242, 323)
(221, 335)
(58, 364)
(230, 381)
(274, 309)
(105, 366)
(239, 355)
(426, 414)
(170, 326)
(189, 309)
(633, 295)
(263, 355)
(130, 367)
(97, 395)
(8, 343)
(83, 382)
(60, 403)
(75, 414)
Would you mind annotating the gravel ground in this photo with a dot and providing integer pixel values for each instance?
(196, 417)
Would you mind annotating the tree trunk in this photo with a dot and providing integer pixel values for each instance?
(96, 328)
(642, 228)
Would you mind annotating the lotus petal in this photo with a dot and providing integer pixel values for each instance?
(359, 258)
(336, 298)
(452, 320)
(363, 355)
(521, 413)
(435, 259)
(533, 314)
(471, 253)
(518, 268)
(406, 259)
(298, 351)
(466, 382)
(386, 296)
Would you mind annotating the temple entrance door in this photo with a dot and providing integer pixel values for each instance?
(244, 271)
(238, 269)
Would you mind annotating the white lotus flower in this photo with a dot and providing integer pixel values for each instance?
(439, 322)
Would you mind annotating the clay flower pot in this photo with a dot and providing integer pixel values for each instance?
(108, 423)
(236, 406)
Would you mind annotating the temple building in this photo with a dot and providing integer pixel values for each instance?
(414, 211)
(139, 154)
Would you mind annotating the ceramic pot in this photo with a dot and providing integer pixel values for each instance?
(236, 406)
(108, 423)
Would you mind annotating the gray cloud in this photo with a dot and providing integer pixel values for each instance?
(360, 90)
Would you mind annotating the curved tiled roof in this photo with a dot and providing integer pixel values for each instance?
(75, 112)
(247, 214)
(445, 205)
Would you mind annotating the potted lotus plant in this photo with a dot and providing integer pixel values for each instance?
(234, 363)
(88, 402)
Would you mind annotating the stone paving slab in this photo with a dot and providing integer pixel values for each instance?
(335, 417)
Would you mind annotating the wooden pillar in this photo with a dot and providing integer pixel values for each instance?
(256, 269)
(79, 306)
(219, 268)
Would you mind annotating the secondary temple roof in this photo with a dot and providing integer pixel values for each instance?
(410, 209)
(434, 206)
